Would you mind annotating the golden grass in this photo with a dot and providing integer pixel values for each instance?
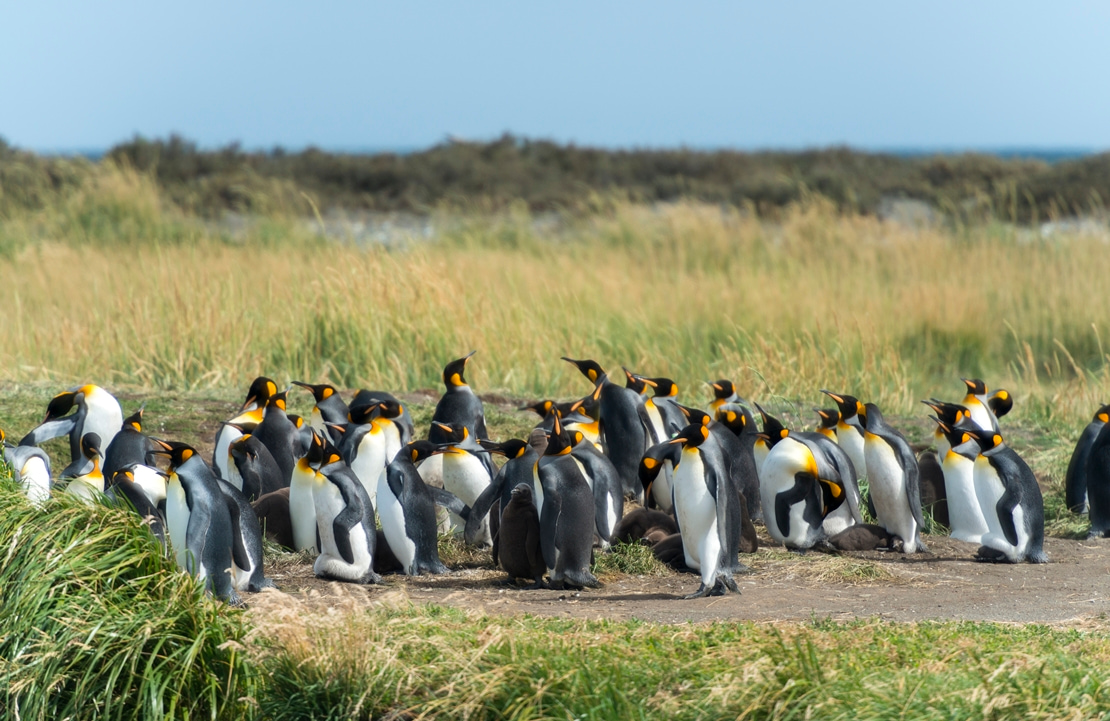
(115, 288)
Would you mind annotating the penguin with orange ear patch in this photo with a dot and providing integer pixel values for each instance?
(1075, 482)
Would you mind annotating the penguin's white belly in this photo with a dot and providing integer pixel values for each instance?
(177, 521)
(431, 471)
(302, 510)
(369, 462)
(233, 476)
(537, 490)
(104, 417)
(888, 491)
(979, 414)
(695, 507)
(35, 480)
(466, 477)
(965, 516)
(760, 451)
(850, 439)
(775, 477)
(392, 517)
(86, 488)
(839, 520)
(658, 430)
(989, 490)
(316, 422)
(221, 456)
(329, 504)
(662, 488)
(152, 483)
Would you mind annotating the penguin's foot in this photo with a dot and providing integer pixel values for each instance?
(538, 584)
(702, 592)
(798, 551)
(1038, 557)
(257, 587)
(743, 569)
(236, 601)
(727, 582)
(986, 554)
(369, 578)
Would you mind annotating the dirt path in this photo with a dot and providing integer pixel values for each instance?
(944, 584)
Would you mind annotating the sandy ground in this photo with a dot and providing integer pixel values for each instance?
(944, 584)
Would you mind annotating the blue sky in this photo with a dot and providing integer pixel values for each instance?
(630, 74)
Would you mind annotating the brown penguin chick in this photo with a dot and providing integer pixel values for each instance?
(654, 535)
(934, 499)
(670, 553)
(636, 524)
(518, 541)
(749, 541)
(862, 537)
(272, 510)
(384, 559)
(538, 440)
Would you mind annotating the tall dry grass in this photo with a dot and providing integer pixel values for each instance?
(113, 285)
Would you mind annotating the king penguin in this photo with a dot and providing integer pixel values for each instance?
(465, 472)
(1016, 517)
(1097, 480)
(461, 406)
(707, 509)
(250, 415)
(567, 520)
(1075, 482)
(252, 469)
(279, 434)
(978, 405)
(657, 475)
(892, 472)
(965, 515)
(31, 468)
(198, 520)
(402, 418)
(520, 459)
(88, 484)
(621, 431)
(344, 519)
(130, 446)
(97, 412)
(126, 493)
(302, 506)
(522, 556)
(407, 511)
(604, 482)
(329, 408)
(247, 572)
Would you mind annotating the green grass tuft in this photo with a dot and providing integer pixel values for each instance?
(633, 559)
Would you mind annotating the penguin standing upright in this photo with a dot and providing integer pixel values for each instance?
(1016, 518)
(568, 517)
(967, 521)
(198, 520)
(302, 505)
(279, 434)
(407, 511)
(664, 401)
(622, 433)
(459, 405)
(97, 412)
(365, 447)
(656, 473)
(125, 492)
(247, 572)
(130, 446)
(391, 408)
(707, 509)
(849, 429)
(894, 479)
(1075, 482)
(978, 405)
(740, 461)
(31, 467)
(329, 408)
(1097, 482)
(465, 472)
(517, 469)
(344, 519)
(604, 482)
(250, 415)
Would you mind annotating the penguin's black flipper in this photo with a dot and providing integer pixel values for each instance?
(348, 518)
(803, 484)
(452, 503)
(482, 505)
(49, 430)
(1005, 509)
(549, 526)
(913, 482)
(238, 551)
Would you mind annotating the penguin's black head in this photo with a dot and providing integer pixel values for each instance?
(664, 387)
(829, 417)
(772, 427)
(959, 440)
(241, 447)
(635, 382)
(314, 456)
(1103, 414)
(987, 439)
(453, 376)
(419, 450)
(732, 417)
(696, 415)
(691, 436)
(975, 386)
(588, 368)
(723, 389)
(60, 405)
(320, 392)
(296, 420)
(558, 442)
(277, 400)
(329, 454)
(1000, 402)
(512, 448)
(90, 446)
(134, 421)
(390, 409)
(522, 492)
(848, 405)
(950, 413)
(260, 391)
(178, 452)
(456, 432)
(587, 406)
(540, 408)
(362, 414)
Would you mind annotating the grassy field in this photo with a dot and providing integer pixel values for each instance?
(114, 285)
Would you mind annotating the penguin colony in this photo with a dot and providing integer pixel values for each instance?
(701, 479)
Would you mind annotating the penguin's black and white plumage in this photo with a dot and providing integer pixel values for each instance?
(345, 521)
(1097, 480)
(621, 430)
(252, 469)
(97, 411)
(130, 446)
(568, 517)
(948, 415)
(279, 434)
(656, 473)
(978, 404)
(125, 492)
(707, 509)
(302, 504)
(739, 457)
(1075, 482)
(520, 458)
(31, 468)
(371, 441)
(465, 472)
(88, 484)
(459, 405)
(966, 518)
(198, 520)
(850, 430)
(1011, 502)
(828, 420)
(389, 404)
(250, 415)
(407, 511)
(247, 573)
(605, 484)
(893, 475)
(329, 408)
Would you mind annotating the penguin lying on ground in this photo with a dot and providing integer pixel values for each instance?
(31, 468)
(639, 523)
